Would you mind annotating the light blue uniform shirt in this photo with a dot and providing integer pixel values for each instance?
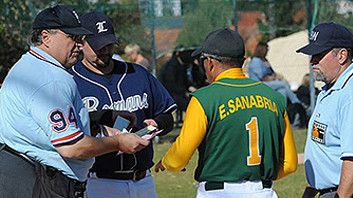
(40, 107)
(330, 133)
(259, 69)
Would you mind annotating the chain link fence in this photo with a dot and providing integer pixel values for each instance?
(176, 23)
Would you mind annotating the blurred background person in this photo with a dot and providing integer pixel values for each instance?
(198, 74)
(259, 65)
(260, 69)
(134, 54)
(303, 93)
(173, 75)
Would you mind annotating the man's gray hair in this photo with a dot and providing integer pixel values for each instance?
(35, 38)
(337, 49)
(132, 48)
(230, 61)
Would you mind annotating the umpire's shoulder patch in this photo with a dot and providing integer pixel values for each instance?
(318, 132)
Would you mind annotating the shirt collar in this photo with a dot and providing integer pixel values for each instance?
(341, 81)
(40, 54)
(231, 73)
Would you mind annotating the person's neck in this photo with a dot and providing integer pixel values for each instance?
(339, 72)
(139, 58)
(341, 69)
(51, 53)
(99, 70)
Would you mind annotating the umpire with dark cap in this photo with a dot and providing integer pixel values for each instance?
(329, 148)
(45, 143)
(239, 126)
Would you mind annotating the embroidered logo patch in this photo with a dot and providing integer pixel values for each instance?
(318, 132)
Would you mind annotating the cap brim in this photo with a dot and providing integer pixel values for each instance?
(196, 52)
(312, 49)
(98, 42)
(76, 31)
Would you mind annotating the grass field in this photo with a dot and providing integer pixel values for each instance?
(183, 185)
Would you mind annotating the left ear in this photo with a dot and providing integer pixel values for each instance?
(46, 38)
(342, 56)
(211, 64)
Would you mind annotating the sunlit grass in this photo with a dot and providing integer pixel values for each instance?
(183, 185)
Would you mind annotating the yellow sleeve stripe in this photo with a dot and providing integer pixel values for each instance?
(191, 135)
(288, 160)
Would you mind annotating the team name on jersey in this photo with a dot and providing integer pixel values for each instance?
(131, 104)
(246, 102)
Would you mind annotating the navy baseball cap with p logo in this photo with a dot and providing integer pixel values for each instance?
(222, 42)
(101, 27)
(326, 36)
(60, 17)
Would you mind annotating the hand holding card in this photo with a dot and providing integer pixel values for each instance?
(147, 133)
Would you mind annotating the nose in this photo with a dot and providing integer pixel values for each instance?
(314, 60)
(104, 49)
(79, 45)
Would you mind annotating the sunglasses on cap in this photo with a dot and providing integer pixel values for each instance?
(204, 57)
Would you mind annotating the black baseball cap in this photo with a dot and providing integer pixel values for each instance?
(101, 27)
(60, 17)
(326, 36)
(222, 42)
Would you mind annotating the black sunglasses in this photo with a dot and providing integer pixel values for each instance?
(77, 38)
(317, 57)
(203, 57)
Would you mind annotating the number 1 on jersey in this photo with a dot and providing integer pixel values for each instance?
(255, 157)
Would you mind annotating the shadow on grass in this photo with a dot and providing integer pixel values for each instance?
(182, 184)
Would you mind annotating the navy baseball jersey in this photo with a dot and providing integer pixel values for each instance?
(131, 88)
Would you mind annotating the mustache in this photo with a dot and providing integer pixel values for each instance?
(75, 50)
(316, 67)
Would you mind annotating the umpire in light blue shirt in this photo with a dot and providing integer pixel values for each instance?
(45, 145)
(329, 144)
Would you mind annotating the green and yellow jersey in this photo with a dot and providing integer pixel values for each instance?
(241, 130)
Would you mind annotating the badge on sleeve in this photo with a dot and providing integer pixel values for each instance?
(318, 132)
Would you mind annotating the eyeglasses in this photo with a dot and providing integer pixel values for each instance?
(204, 57)
(76, 38)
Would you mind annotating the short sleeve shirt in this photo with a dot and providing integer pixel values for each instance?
(330, 133)
(41, 108)
(258, 69)
(130, 88)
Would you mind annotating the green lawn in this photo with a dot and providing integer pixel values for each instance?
(299, 138)
(183, 185)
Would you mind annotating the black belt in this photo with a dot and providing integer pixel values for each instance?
(220, 185)
(327, 190)
(134, 176)
(50, 171)
(16, 153)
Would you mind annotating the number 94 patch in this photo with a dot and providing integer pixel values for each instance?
(318, 132)
(60, 122)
